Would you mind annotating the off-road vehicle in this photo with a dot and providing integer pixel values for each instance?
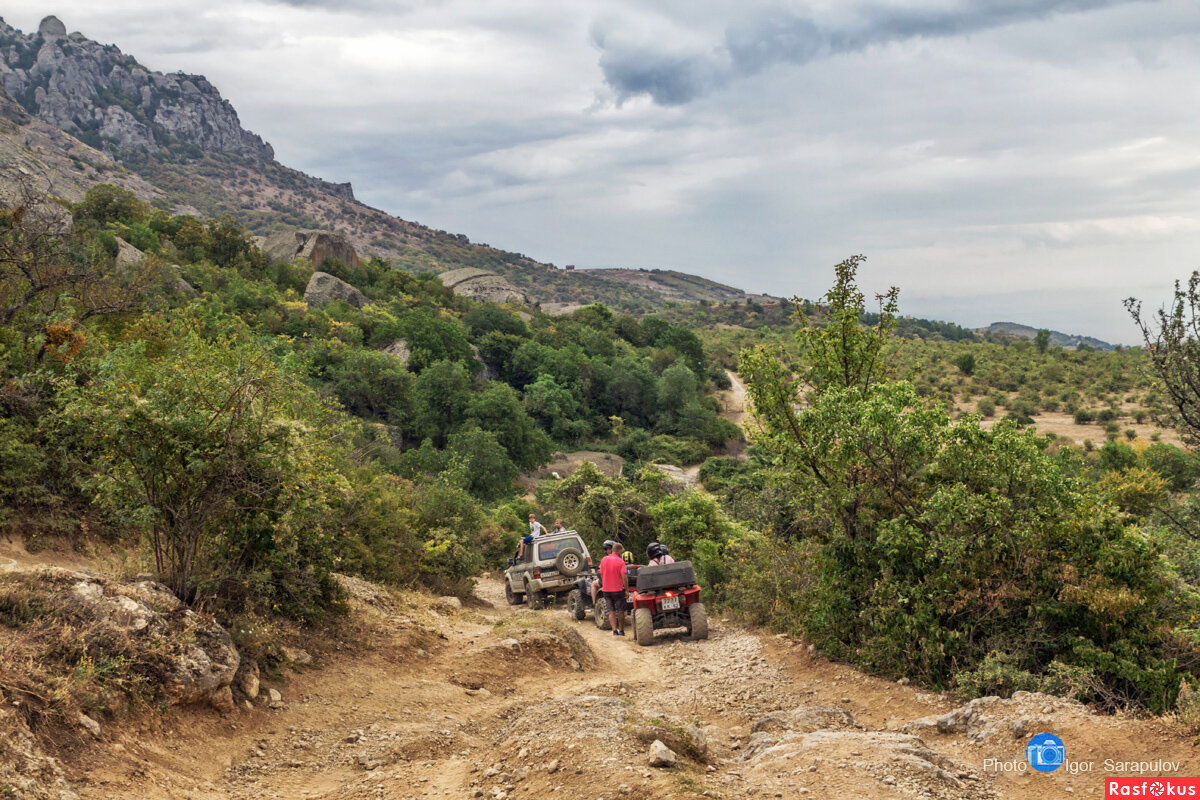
(550, 565)
(580, 603)
(667, 596)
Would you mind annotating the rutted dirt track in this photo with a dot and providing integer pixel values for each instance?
(497, 702)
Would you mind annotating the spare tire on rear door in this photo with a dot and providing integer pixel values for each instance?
(570, 562)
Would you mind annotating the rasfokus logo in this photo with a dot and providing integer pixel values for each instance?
(1045, 752)
(1151, 787)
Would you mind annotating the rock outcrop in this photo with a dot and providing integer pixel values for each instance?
(104, 97)
(399, 349)
(325, 288)
(480, 284)
(316, 246)
(200, 659)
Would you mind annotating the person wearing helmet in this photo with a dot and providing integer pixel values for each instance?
(658, 555)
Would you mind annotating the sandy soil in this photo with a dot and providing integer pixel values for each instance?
(439, 704)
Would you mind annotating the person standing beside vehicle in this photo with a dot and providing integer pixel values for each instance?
(614, 580)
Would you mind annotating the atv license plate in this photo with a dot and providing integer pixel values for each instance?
(669, 603)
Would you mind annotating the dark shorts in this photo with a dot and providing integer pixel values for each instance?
(616, 600)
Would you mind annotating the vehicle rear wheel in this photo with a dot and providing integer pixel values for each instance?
(569, 562)
(512, 597)
(699, 617)
(643, 626)
(600, 614)
(537, 599)
(575, 605)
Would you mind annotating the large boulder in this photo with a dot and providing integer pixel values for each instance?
(399, 350)
(316, 246)
(324, 288)
(194, 656)
(480, 284)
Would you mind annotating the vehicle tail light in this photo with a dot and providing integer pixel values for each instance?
(537, 573)
(589, 563)
(670, 594)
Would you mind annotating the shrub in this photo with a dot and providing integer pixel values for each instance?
(986, 407)
(1083, 416)
(222, 457)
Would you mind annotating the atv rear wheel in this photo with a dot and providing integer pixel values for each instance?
(699, 617)
(643, 626)
(600, 614)
(512, 597)
(575, 605)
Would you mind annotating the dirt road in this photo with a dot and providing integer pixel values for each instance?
(496, 702)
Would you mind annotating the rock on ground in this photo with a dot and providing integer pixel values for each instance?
(324, 288)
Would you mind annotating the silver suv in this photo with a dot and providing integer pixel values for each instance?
(550, 565)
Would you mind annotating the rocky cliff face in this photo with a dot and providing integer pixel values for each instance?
(107, 99)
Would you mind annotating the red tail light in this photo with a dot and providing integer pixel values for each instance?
(537, 573)
(670, 594)
(589, 563)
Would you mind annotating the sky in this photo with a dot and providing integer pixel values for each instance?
(1034, 161)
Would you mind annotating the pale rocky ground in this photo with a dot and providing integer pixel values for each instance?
(490, 701)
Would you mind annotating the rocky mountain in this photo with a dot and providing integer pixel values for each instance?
(175, 141)
(1057, 338)
(104, 97)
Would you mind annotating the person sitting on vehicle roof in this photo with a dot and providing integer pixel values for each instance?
(559, 527)
(525, 540)
(536, 528)
(658, 555)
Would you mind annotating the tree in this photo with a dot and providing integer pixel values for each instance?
(443, 392)
(220, 454)
(1042, 340)
(1172, 336)
(965, 363)
(48, 274)
(843, 352)
(973, 543)
(498, 409)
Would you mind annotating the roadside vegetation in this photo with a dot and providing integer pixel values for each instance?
(896, 505)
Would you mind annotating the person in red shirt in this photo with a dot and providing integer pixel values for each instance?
(614, 580)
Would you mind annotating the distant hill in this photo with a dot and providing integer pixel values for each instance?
(177, 143)
(1057, 338)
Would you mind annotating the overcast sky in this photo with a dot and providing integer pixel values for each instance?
(1033, 161)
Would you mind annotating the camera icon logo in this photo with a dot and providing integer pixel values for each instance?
(1045, 752)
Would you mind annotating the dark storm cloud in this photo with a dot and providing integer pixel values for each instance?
(781, 36)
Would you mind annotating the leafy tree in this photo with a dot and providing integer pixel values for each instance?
(1041, 340)
(555, 409)
(432, 339)
(220, 454)
(1172, 337)
(443, 392)
(972, 542)
(965, 363)
(498, 409)
(843, 352)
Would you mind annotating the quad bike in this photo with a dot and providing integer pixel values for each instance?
(582, 601)
(667, 597)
